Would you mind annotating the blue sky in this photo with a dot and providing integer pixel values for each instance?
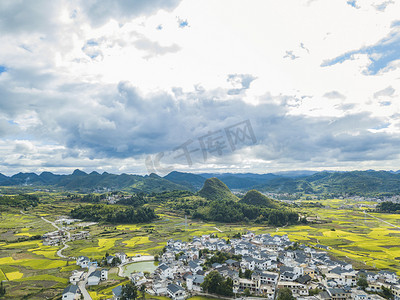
(121, 86)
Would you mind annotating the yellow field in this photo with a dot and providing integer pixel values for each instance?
(14, 275)
(137, 240)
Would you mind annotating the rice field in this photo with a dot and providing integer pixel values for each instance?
(30, 267)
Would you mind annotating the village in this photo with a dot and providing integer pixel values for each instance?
(264, 264)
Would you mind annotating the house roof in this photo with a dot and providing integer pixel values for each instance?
(192, 264)
(198, 279)
(96, 273)
(303, 279)
(71, 289)
(117, 291)
(230, 261)
(163, 267)
(174, 288)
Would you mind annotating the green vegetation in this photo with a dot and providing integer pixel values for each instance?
(221, 257)
(215, 283)
(231, 212)
(285, 294)
(215, 189)
(254, 197)
(22, 200)
(337, 183)
(388, 207)
(113, 214)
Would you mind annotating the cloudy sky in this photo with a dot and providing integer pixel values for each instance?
(230, 86)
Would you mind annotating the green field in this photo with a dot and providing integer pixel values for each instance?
(35, 270)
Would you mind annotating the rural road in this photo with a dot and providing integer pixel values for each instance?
(218, 229)
(133, 260)
(82, 284)
(52, 223)
(379, 219)
(59, 252)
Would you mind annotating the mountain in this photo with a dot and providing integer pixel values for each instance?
(26, 179)
(192, 181)
(4, 180)
(353, 183)
(215, 189)
(241, 181)
(49, 178)
(254, 197)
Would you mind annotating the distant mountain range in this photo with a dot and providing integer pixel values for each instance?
(353, 182)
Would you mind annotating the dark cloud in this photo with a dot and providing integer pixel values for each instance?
(388, 92)
(334, 95)
(154, 48)
(18, 16)
(99, 12)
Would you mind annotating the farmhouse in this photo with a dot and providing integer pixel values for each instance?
(71, 292)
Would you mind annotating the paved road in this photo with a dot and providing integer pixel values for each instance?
(379, 219)
(82, 284)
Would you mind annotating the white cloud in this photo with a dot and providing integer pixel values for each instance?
(102, 84)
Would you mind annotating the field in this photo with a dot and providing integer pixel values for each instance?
(35, 271)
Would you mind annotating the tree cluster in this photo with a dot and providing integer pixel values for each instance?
(21, 200)
(231, 212)
(388, 207)
(215, 283)
(113, 214)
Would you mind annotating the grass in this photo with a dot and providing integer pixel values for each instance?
(45, 277)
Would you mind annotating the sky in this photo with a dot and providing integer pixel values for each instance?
(147, 86)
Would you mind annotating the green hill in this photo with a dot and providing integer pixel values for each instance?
(254, 197)
(215, 189)
(351, 183)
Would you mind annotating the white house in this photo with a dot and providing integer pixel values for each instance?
(83, 261)
(104, 274)
(121, 256)
(71, 292)
(194, 282)
(76, 276)
(94, 278)
(176, 292)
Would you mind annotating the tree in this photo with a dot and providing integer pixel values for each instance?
(143, 291)
(129, 292)
(386, 293)
(2, 289)
(216, 283)
(285, 294)
(247, 273)
(240, 273)
(362, 282)
(156, 257)
(247, 292)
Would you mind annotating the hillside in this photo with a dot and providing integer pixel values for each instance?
(352, 183)
(215, 189)
(254, 197)
(241, 181)
(83, 182)
(192, 181)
